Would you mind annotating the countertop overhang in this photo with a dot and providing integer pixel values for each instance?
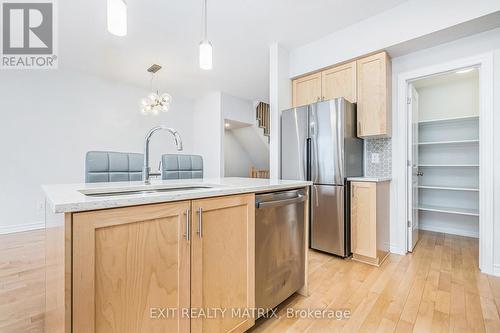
(369, 179)
(65, 198)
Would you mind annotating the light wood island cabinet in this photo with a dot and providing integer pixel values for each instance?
(127, 262)
(138, 269)
(223, 262)
(370, 221)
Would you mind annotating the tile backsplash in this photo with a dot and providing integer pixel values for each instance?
(380, 166)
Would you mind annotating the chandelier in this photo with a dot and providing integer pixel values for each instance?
(155, 103)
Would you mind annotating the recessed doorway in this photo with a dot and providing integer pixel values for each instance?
(446, 123)
(444, 154)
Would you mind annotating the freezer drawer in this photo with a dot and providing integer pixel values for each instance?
(328, 226)
(279, 246)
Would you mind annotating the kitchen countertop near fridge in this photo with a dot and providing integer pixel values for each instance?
(369, 179)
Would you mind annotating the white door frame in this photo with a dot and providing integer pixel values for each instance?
(484, 62)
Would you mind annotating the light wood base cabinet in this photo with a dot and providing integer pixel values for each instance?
(155, 268)
(127, 263)
(370, 222)
(223, 264)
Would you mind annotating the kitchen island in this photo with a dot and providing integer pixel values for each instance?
(172, 256)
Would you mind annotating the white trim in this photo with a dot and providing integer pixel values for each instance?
(496, 270)
(10, 229)
(452, 231)
(397, 250)
(486, 219)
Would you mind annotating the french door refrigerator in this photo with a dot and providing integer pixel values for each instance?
(319, 143)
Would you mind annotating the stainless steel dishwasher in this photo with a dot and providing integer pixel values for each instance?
(279, 246)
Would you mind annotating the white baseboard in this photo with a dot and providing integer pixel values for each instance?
(453, 231)
(9, 229)
(496, 270)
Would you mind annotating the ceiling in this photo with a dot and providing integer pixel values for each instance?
(167, 32)
(446, 78)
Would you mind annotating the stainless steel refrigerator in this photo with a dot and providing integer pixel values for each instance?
(319, 143)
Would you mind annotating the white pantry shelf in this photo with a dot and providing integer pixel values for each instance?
(449, 165)
(449, 210)
(448, 142)
(447, 120)
(449, 188)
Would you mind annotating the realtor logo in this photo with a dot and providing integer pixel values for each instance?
(28, 35)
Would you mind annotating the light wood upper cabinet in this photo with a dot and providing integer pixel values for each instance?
(128, 261)
(339, 81)
(306, 90)
(223, 264)
(370, 221)
(373, 96)
(366, 81)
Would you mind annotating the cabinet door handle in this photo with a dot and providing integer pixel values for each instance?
(187, 235)
(200, 222)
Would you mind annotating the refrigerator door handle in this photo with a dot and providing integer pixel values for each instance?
(340, 147)
(314, 158)
(313, 133)
(305, 158)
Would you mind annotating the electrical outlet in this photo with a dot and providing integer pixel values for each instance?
(375, 158)
(40, 207)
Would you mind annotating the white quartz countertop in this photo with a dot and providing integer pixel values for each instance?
(63, 198)
(369, 179)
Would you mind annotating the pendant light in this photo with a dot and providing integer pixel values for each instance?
(117, 17)
(205, 45)
(155, 102)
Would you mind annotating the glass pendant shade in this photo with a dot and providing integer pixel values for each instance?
(117, 17)
(205, 55)
(155, 103)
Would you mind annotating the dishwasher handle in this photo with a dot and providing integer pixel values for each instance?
(267, 204)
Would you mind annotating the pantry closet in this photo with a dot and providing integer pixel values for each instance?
(448, 152)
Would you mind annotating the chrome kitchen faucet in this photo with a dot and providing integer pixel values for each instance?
(178, 142)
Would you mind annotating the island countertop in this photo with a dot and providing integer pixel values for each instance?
(64, 198)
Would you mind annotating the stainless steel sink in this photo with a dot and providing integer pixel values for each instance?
(119, 192)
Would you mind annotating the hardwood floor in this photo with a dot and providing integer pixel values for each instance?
(438, 288)
(22, 282)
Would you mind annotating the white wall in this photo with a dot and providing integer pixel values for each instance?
(408, 21)
(50, 119)
(238, 109)
(280, 99)
(454, 98)
(209, 114)
(236, 160)
(463, 48)
(208, 133)
(255, 144)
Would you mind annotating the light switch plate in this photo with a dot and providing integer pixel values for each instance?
(375, 158)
